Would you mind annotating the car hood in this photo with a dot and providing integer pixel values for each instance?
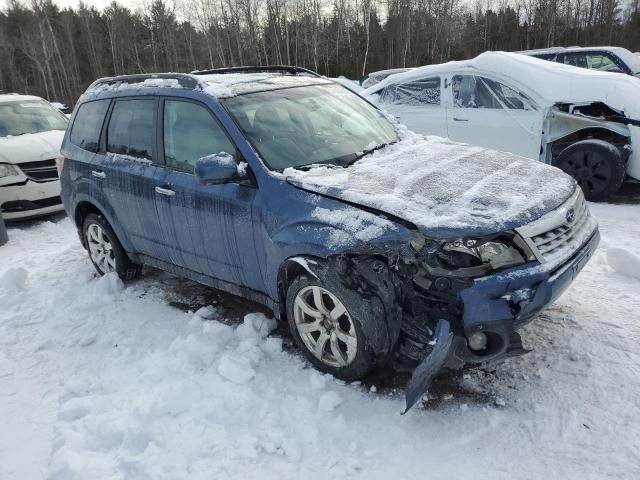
(445, 189)
(31, 147)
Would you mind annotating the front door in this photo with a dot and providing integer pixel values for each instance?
(211, 227)
(488, 113)
(417, 104)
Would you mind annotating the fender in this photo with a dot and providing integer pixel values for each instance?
(88, 193)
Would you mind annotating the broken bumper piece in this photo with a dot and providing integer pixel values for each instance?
(430, 366)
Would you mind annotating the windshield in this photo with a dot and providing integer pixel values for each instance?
(31, 116)
(300, 126)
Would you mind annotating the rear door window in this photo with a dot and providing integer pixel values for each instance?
(85, 132)
(131, 128)
(191, 133)
(417, 93)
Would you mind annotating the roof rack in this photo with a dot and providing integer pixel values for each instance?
(185, 80)
(286, 69)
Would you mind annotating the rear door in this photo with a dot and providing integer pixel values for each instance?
(211, 227)
(128, 172)
(417, 104)
(488, 113)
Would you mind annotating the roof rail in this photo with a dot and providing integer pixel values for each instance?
(185, 80)
(286, 69)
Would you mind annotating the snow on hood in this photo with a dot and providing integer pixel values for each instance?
(31, 147)
(551, 82)
(444, 188)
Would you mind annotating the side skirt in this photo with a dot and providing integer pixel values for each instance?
(227, 287)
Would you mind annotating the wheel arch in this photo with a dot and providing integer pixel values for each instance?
(288, 270)
(616, 139)
(84, 206)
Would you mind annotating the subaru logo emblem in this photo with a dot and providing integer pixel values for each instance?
(571, 215)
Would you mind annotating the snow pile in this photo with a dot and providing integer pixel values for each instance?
(444, 187)
(104, 381)
(14, 279)
(624, 262)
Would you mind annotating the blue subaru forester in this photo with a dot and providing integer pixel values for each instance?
(275, 184)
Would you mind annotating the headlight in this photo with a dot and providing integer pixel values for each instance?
(493, 254)
(7, 170)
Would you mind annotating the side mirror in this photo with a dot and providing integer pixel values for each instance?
(215, 169)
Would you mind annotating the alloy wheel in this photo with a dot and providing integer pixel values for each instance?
(100, 248)
(325, 326)
(591, 170)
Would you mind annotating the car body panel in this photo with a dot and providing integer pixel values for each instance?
(626, 61)
(556, 91)
(243, 235)
(34, 190)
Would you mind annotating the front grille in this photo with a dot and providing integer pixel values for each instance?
(558, 234)
(555, 240)
(41, 171)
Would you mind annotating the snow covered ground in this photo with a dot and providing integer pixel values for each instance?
(104, 381)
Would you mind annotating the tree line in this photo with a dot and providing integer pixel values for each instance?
(56, 53)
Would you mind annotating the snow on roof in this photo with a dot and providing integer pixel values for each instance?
(550, 82)
(222, 85)
(14, 97)
(218, 85)
(444, 187)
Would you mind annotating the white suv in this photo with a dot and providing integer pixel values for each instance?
(31, 132)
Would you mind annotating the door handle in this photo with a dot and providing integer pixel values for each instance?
(165, 191)
(456, 119)
(98, 174)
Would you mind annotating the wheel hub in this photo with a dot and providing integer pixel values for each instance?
(100, 249)
(325, 326)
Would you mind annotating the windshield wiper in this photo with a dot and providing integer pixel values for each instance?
(366, 152)
(344, 161)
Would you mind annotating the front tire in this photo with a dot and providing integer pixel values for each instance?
(596, 165)
(325, 327)
(105, 251)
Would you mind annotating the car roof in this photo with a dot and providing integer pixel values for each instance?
(547, 82)
(14, 97)
(231, 84)
(218, 84)
(571, 50)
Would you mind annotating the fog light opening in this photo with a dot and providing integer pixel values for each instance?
(477, 341)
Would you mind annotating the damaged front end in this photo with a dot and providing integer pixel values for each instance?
(420, 291)
(567, 123)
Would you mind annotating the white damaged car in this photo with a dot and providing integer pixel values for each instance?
(585, 122)
(31, 132)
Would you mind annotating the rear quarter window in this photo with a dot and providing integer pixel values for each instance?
(131, 128)
(85, 131)
(416, 93)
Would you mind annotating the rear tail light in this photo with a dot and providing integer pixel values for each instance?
(59, 164)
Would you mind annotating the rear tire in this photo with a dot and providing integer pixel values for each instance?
(596, 165)
(105, 251)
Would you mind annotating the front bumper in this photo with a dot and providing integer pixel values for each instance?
(19, 201)
(499, 304)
